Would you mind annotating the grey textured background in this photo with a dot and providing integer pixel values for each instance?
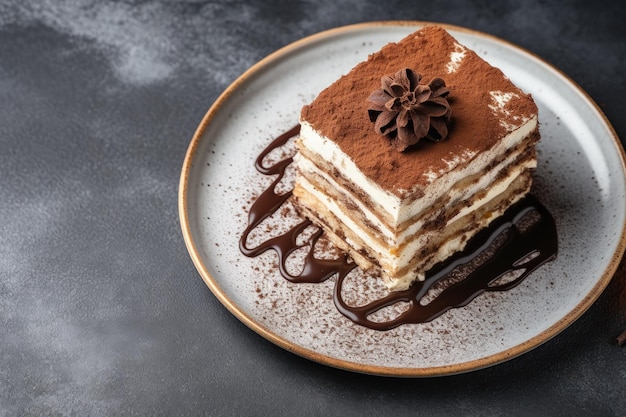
(101, 310)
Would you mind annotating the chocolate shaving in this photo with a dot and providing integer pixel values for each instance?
(620, 340)
(406, 111)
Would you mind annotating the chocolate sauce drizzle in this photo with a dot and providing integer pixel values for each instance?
(518, 252)
(315, 270)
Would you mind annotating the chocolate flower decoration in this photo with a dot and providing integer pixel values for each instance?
(406, 111)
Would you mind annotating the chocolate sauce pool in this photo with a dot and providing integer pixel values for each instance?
(497, 259)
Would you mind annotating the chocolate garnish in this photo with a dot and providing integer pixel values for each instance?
(406, 111)
(523, 247)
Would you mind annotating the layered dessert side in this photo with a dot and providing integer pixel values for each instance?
(405, 158)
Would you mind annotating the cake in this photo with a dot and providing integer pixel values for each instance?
(415, 150)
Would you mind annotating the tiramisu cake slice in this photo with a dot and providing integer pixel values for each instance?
(411, 153)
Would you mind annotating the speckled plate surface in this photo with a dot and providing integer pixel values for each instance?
(581, 180)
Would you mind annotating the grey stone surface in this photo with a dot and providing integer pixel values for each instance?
(101, 310)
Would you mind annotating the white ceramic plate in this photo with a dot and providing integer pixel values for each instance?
(581, 179)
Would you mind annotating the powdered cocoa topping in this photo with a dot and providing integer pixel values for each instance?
(340, 111)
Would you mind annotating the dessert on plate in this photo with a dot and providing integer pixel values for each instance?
(410, 154)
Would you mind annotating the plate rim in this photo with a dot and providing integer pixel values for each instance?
(472, 365)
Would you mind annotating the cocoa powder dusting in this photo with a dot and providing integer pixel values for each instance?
(340, 111)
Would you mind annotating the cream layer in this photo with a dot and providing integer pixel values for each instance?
(451, 245)
(340, 198)
(397, 209)
(401, 251)
(437, 245)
